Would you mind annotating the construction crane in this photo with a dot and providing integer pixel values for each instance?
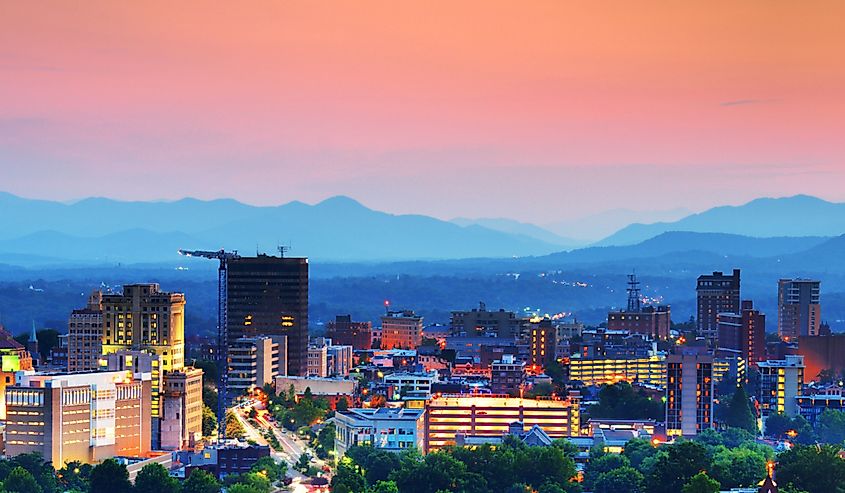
(222, 329)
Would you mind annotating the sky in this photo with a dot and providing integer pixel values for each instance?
(538, 111)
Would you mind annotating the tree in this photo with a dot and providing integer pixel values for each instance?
(739, 413)
(701, 483)
(621, 401)
(272, 470)
(384, 487)
(234, 428)
(831, 426)
(21, 481)
(603, 464)
(677, 466)
(154, 478)
(258, 482)
(626, 479)
(815, 469)
(74, 476)
(200, 481)
(111, 477)
(637, 450)
(347, 479)
(209, 421)
(342, 404)
(738, 467)
(244, 488)
(436, 471)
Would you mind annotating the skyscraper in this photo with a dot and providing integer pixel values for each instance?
(744, 332)
(716, 293)
(799, 311)
(268, 296)
(85, 335)
(689, 392)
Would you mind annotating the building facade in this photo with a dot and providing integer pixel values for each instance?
(507, 376)
(344, 332)
(543, 343)
(394, 430)
(490, 415)
(650, 370)
(318, 356)
(401, 330)
(253, 362)
(268, 296)
(781, 381)
(715, 294)
(744, 332)
(689, 393)
(478, 321)
(181, 420)
(85, 335)
(799, 308)
(87, 417)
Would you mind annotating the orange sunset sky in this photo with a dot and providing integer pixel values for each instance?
(532, 110)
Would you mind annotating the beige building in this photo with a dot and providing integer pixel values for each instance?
(144, 317)
(87, 417)
(85, 335)
(253, 362)
(401, 330)
(318, 361)
(181, 419)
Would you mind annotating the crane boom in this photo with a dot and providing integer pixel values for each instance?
(222, 329)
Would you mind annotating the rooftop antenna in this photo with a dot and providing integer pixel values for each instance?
(634, 296)
(283, 249)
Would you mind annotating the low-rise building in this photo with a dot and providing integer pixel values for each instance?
(411, 382)
(811, 406)
(87, 417)
(394, 430)
(650, 370)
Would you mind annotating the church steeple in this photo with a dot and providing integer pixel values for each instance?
(32, 345)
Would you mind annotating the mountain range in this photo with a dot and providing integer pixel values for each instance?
(340, 229)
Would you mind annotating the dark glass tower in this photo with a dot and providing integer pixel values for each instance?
(268, 296)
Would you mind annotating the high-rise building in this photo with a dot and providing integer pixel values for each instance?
(716, 293)
(781, 382)
(689, 392)
(253, 362)
(401, 330)
(85, 335)
(478, 321)
(744, 332)
(86, 417)
(318, 356)
(543, 343)
(268, 296)
(145, 318)
(799, 311)
(344, 332)
(181, 419)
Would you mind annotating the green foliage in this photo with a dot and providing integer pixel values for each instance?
(234, 428)
(384, 487)
(111, 477)
(831, 426)
(154, 478)
(777, 426)
(200, 481)
(815, 469)
(209, 421)
(739, 413)
(625, 479)
(637, 450)
(272, 470)
(257, 483)
(677, 466)
(603, 464)
(74, 476)
(209, 370)
(21, 481)
(738, 467)
(621, 401)
(347, 479)
(701, 483)
(377, 464)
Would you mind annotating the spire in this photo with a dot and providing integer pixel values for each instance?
(32, 336)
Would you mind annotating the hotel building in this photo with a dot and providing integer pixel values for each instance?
(87, 417)
(689, 393)
(715, 294)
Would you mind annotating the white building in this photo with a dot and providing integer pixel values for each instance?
(411, 382)
(253, 362)
(388, 429)
(318, 361)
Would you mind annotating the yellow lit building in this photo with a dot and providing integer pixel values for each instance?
(491, 416)
(593, 371)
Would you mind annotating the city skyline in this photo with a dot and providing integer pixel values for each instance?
(413, 109)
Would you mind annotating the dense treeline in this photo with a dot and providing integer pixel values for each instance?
(712, 462)
(29, 473)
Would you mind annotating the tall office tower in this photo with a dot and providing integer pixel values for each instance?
(401, 330)
(781, 381)
(88, 417)
(689, 392)
(181, 419)
(85, 335)
(799, 311)
(744, 332)
(145, 318)
(716, 293)
(479, 321)
(344, 332)
(543, 346)
(268, 296)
